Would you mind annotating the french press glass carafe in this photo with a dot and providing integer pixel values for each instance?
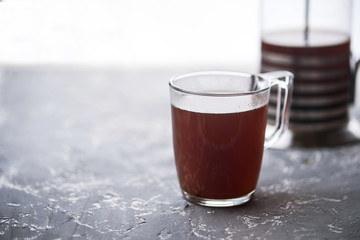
(312, 39)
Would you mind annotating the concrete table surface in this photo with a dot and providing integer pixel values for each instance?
(88, 154)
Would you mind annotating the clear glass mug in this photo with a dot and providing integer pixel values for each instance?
(219, 120)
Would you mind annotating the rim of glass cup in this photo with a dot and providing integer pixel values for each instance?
(173, 85)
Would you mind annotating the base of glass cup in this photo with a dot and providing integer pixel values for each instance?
(230, 202)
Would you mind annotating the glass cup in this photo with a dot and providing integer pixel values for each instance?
(219, 120)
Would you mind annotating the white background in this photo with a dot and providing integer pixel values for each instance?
(128, 33)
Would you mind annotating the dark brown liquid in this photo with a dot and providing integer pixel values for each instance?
(218, 156)
(322, 86)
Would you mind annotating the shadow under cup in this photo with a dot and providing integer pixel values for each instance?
(219, 121)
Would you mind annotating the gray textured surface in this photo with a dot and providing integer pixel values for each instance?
(88, 154)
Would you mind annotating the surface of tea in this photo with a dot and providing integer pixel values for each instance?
(296, 39)
(218, 156)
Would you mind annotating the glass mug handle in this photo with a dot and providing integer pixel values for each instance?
(354, 75)
(284, 81)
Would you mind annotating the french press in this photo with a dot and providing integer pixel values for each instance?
(312, 39)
